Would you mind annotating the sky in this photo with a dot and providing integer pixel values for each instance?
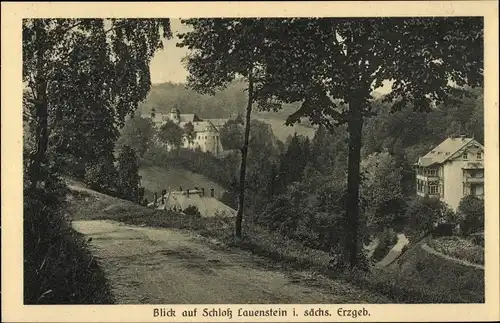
(166, 65)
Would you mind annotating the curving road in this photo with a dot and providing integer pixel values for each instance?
(165, 266)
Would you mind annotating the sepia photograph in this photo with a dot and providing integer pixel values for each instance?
(254, 160)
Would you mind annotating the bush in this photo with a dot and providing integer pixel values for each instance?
(101, 176)
(192, 210)
(128, 179)
(424, 214)
(387, 239)
(459, 248)
(58, 268)
(471, 213)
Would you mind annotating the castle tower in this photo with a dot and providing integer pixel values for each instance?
(175, 115)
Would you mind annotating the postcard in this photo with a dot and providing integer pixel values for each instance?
(250, 161)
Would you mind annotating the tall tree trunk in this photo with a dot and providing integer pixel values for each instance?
(38, 158)
(244, 152)
(355, 125)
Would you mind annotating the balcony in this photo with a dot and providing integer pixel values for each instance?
(474, 180)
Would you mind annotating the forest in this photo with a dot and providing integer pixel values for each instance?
(297, 187)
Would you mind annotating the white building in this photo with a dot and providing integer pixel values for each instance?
(206, 134)
(452, 170)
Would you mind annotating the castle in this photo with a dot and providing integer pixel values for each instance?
(206, 132)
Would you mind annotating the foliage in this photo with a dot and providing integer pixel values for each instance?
(163, 97)
(424, 213)
(387, 240)
(382, 190)
(171, 134)
(128, 179)
(347, 58)
(231, 135)
(189, 132)
(294, 160)
(221, 51)
(138, 134)
(101, 175)
(83, 76)
(459, 248)
(58, 267)
(471, 213)
(192, 210)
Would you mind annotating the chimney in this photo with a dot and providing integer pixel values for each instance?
(155, 199)
(202, 191)
(180, 188)
(187, 191)
(212, 192)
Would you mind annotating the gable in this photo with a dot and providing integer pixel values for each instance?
(471, 149)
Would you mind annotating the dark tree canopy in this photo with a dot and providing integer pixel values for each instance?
(83, 76)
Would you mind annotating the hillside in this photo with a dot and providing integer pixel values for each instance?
(156, 179)
(427, 276)
(229, 102)
(282, 132)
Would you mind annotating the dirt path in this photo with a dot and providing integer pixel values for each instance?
(433, 251)
(394, 252)
(163, 266)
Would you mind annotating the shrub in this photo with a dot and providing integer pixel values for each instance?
(192, 210)
(101, 176)
(58, 268)
(424, 214)
(128, 179)
(387, 239)
(471, 212)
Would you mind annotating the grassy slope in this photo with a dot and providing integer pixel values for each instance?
(155, 179)
(420, 277)
(58, 265)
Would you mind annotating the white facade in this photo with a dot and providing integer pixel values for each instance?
(451, 171)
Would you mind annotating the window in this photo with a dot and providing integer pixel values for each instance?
(479, 155)
(433, 188)
(420, 186)
(465, 155)
(432, 172)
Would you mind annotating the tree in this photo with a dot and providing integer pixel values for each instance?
(101, 175)
(471, 211)
(231, 135)
(222, 50)
(171, 134)
(424, 213)
(332, 65)
(83, 77)
(293, 161)
(381, 189)
(137, 134)
(128, 178)
(189, 132)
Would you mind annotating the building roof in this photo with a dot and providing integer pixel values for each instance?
(188, 117)
(444, 151)
(201, 126)
(218, 122)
